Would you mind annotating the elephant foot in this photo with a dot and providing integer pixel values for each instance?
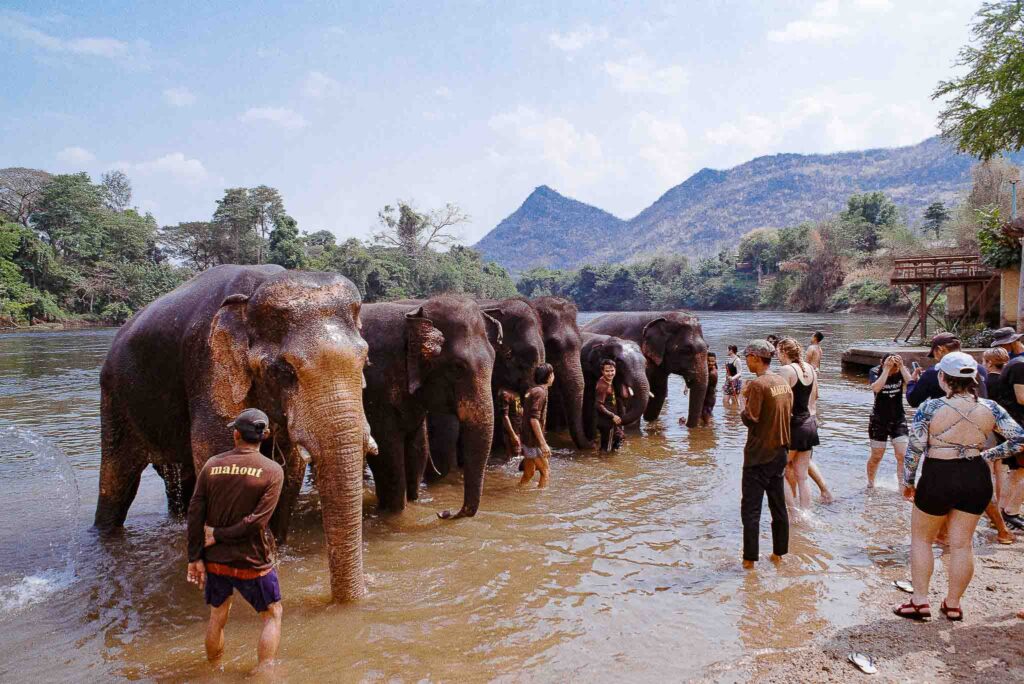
(464, 512)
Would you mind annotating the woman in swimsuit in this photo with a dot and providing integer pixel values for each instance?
(803, 425)
(733, 383)
(955, 486)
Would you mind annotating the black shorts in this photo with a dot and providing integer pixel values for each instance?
(962, 484)
(259, 592)
(803, 433)
(884, 430)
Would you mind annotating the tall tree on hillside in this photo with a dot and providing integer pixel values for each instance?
(935, 216)
(403, 227)
(200, 244)
(865, 215)
(267, 206)
(984, 108)
(20, 192)
(117, 190)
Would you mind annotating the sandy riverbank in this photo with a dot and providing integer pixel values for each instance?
(988, 646)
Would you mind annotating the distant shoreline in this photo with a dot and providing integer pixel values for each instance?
(7, 327)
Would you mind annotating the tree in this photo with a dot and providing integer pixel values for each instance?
(266, 206)
(20, 192)
(200, 244)
(286, 247)
(236, 217)
(760, 248)
(991, 185)
(412, 232)
(864, 216)
(984, 109)
(934, 216)
(117, 190)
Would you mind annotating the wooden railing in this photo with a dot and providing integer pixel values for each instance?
(956, 268)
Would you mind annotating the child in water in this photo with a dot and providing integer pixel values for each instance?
(536, 451)
(712, 394)
(609, 424)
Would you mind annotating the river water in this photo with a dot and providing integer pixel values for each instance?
(625, 569)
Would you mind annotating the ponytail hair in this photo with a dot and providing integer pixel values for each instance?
(961, 385)
(790, 349)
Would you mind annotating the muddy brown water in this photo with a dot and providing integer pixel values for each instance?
(625, 569)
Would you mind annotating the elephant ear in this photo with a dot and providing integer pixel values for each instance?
(495, 332)
(229, 356)
(655, 337)
(423, 343)
(595, 357)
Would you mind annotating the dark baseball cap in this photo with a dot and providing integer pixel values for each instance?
(251, 423)
(942, 340)
(761, 348)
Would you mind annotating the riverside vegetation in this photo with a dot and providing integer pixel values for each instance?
(74, 251)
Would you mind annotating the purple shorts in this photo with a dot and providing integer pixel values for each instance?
(259, 592)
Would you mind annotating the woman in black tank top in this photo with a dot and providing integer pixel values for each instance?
(803, 424)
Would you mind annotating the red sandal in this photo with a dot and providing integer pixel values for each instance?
(948, 612)
(913, 611)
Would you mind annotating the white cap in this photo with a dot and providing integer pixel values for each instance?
(958, 365)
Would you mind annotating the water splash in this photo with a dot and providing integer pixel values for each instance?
(39, 503)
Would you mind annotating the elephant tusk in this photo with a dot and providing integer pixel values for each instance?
(304, 454)
(650, 395)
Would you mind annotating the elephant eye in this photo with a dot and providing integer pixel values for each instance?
(283, 372)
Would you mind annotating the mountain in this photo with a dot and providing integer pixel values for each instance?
(713, 208)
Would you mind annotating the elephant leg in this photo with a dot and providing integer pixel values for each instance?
(589, 409)
(123, 457)
(659, 389)
(294, 474)
(417, 452)
(388, 466)
(179, 483)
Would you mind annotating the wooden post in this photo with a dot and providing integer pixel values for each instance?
(924, 313)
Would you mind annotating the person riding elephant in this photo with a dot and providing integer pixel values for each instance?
(286, 342)
(562, 344)
(630, 383)
(671, 342)
(436, 357)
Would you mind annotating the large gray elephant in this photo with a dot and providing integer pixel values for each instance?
(233, 337)
(630, 372)
(435, 357)
(562, 345)
(672, 342)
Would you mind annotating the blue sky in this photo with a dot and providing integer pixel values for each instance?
(349, 106)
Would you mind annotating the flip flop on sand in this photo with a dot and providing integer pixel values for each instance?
(863, 662)
(904, 585)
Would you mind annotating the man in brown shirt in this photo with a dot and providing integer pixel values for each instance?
(536, 451)
(769, 404)
(229, 545)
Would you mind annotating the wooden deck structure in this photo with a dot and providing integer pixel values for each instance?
(932, 275)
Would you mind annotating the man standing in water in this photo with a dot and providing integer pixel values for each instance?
(769, 405)
(229, 545)
(813, 353)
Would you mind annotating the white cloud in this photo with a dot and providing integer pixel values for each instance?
(826, 9)
(443, 91)
(75, 155)
(319, 84)
(174, 165)
(279, 116)
(664, 144)
(639, 74)
(874, 5)
(19, 27)
(576, 40)
(808, 31)
(572, 157)
(179, 97)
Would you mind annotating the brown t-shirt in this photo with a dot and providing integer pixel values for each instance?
(236, 493)
(534, 405)
(766, 415)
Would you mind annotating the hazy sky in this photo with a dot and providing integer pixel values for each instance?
(348, 106)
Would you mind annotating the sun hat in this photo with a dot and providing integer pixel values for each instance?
(958, 365)
(942, 340)
(761, 348)
(1005, 335)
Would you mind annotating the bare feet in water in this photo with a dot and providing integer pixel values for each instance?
(749, 565)
(827, 498)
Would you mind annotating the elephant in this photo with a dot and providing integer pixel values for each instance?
(233, 337)
(435, 357)
(562, 345)
(630, 371)
(672, 342)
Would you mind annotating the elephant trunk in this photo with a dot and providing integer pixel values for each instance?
(568, 387)
(636, 379)
(476, 422)
(327, 422)
(697, 382)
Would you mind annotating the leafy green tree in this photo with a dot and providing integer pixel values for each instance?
(999, 248)
(935, 216)
(984, 108)
(200, 244)
(267, 208)
(117, 190)
(865, 215)
(235, 217)
(286, 247)
(760, 248)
